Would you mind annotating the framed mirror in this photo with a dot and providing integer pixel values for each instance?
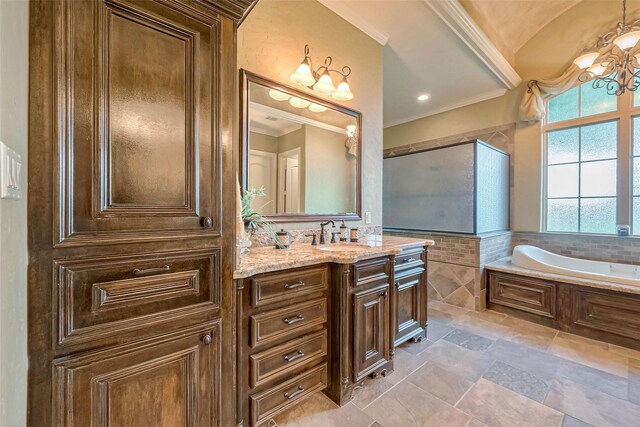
(304, 151)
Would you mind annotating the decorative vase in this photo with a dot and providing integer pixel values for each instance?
(244, 241)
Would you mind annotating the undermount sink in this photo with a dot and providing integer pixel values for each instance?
(342, 248)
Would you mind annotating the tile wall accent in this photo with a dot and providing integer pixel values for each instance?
(624, 250)
(456, 265)
(263, 238)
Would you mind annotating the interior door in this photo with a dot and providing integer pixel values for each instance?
(289, 183)
(145, 115)
(370, 330)
(262, 174)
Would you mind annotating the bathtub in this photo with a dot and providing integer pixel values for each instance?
(534, 258)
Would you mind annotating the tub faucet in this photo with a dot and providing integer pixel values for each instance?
(322, 226)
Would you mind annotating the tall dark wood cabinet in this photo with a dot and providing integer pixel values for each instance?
(132, 173)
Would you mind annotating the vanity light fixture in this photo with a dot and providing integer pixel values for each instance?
(279, 96)
(317, 108)
(423, 97)
(320, 80)
(618, 68)
(299, 102)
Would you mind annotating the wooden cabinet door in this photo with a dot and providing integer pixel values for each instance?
(138, 148)
(408, 307)
(169, 381)
(370, 330)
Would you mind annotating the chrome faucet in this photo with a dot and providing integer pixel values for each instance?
(322, 226)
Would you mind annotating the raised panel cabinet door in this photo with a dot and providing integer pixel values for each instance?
(408, 307)
(169, 381)
(138, 141)
(370, 330)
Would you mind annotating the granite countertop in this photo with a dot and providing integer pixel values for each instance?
(504, 265)
(266, 259)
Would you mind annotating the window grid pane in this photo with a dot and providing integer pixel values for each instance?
(582, 178)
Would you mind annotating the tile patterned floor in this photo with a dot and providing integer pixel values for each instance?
(487, 369)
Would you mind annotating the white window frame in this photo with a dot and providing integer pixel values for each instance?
(624, 191)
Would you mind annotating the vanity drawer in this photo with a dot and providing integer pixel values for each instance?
(98, 298)
(275, 287)
(267, 404)
(372, 271)
(280, 360)
(287, 322)
(409, 259)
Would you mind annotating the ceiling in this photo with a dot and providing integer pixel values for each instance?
(496, 18)
(430, 47)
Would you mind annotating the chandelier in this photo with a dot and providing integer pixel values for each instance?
(617, 68)
(320, 80)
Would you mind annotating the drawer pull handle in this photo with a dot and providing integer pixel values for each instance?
(151, 270)
(298, 318)
(294, 285)
(295, 393)
(384, 294)
(206, 339)
(297, 355)
(409, 260)
(397, 284)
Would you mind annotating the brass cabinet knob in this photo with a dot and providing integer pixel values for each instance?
(206, 339)
(206, 222)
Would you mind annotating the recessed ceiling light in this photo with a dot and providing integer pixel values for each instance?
(423, 97)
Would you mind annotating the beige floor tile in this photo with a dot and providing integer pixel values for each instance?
(440, 382)
(475, 423)
(440, 316)
(404, 363)
(371, 390)
(488, 315)
(452, 310)
(319, 411)
(592, 353)
(592, 406)
(530, 334)
(466, 363)
(496, 406)
(406, 405)
(484, 328)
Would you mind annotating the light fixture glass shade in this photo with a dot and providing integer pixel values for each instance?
(317, 108)
(303, 75)
(299, 102)
(324, 85)
(351, 131)
(627, 40)
(343, 92)
(279, 96)
(597, 70)
(586, 60)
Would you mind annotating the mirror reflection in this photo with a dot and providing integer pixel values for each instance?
(304, 155)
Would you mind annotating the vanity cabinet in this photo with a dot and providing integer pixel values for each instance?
(370, 330)
(283, 340)
(409, 296)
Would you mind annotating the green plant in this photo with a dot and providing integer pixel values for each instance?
(252, 219)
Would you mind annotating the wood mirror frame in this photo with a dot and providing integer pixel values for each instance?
(247, 77)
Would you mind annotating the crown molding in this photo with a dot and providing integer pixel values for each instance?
(467, 101)
(294, 117)
(459, 21)
(345, 12)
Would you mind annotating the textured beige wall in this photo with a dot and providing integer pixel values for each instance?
(14, 16)
(545, 55)
(271, 43)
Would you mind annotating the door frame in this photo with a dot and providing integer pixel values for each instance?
(281, 177)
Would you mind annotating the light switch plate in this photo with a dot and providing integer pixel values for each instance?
(10, 169)
(367, 217)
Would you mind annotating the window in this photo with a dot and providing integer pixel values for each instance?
(592, 161)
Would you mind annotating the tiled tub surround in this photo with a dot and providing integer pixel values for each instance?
(456, 265)
(625, 250)
(490, 369)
